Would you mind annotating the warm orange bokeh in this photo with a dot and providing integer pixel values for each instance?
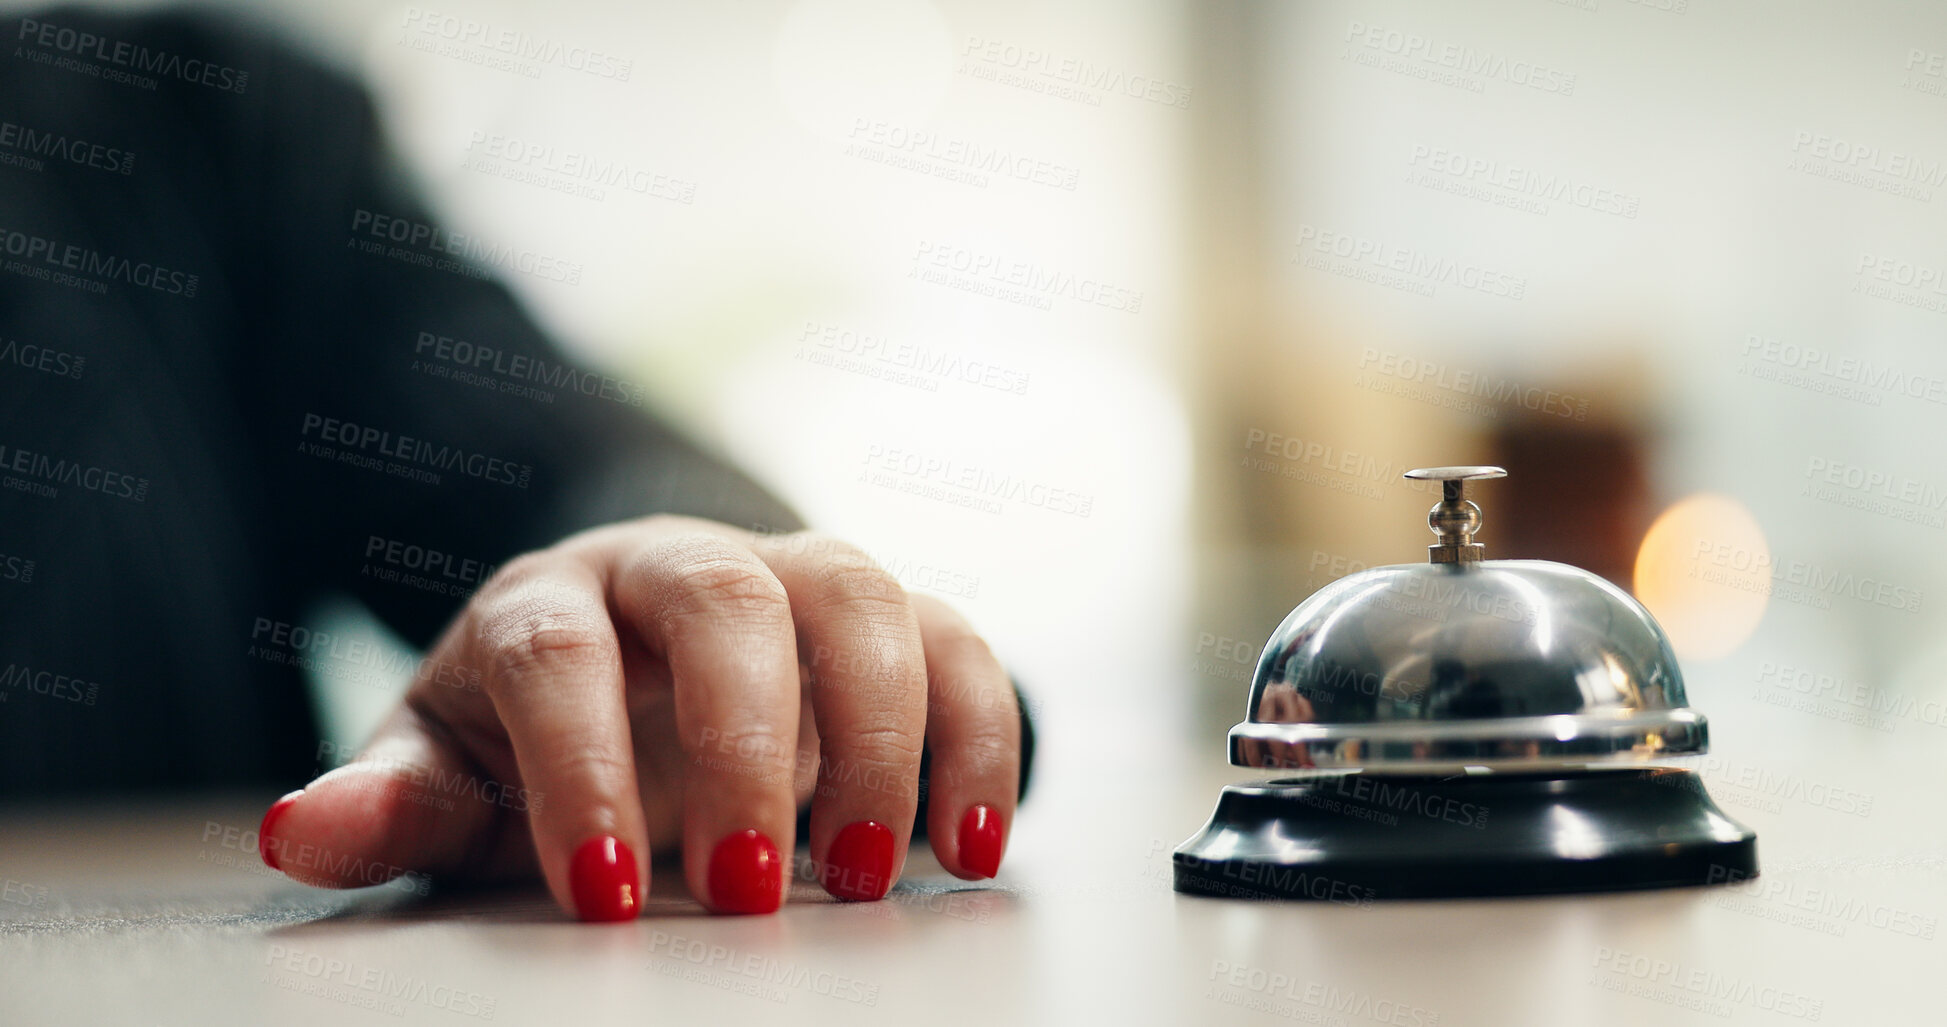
(1704, 571)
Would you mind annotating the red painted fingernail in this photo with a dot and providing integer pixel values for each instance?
(981, 841)
(265, 846)
(746, 874)
(603, 877)
(858, 866)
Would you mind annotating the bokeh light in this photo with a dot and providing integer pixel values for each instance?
(1704, 572)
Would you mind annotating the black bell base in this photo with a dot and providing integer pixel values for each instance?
(1355, 838)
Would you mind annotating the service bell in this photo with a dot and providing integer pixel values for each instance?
(1465, 726)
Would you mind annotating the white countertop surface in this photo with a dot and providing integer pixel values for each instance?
(158, 915)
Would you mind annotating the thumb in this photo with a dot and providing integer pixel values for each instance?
(411, 802)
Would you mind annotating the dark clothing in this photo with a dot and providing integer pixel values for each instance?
(190, 318)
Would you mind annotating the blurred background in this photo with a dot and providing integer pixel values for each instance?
(1116, 323)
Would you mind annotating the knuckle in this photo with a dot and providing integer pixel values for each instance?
(718, 583)
(861, 587)
(984, 752)
(525, 634)
(585, 763)
(882, 745)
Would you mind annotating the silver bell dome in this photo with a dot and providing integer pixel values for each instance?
(1463, 661)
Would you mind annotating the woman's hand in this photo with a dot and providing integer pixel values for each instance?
(671, 682)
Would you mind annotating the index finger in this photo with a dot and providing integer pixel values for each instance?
(552, 666)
